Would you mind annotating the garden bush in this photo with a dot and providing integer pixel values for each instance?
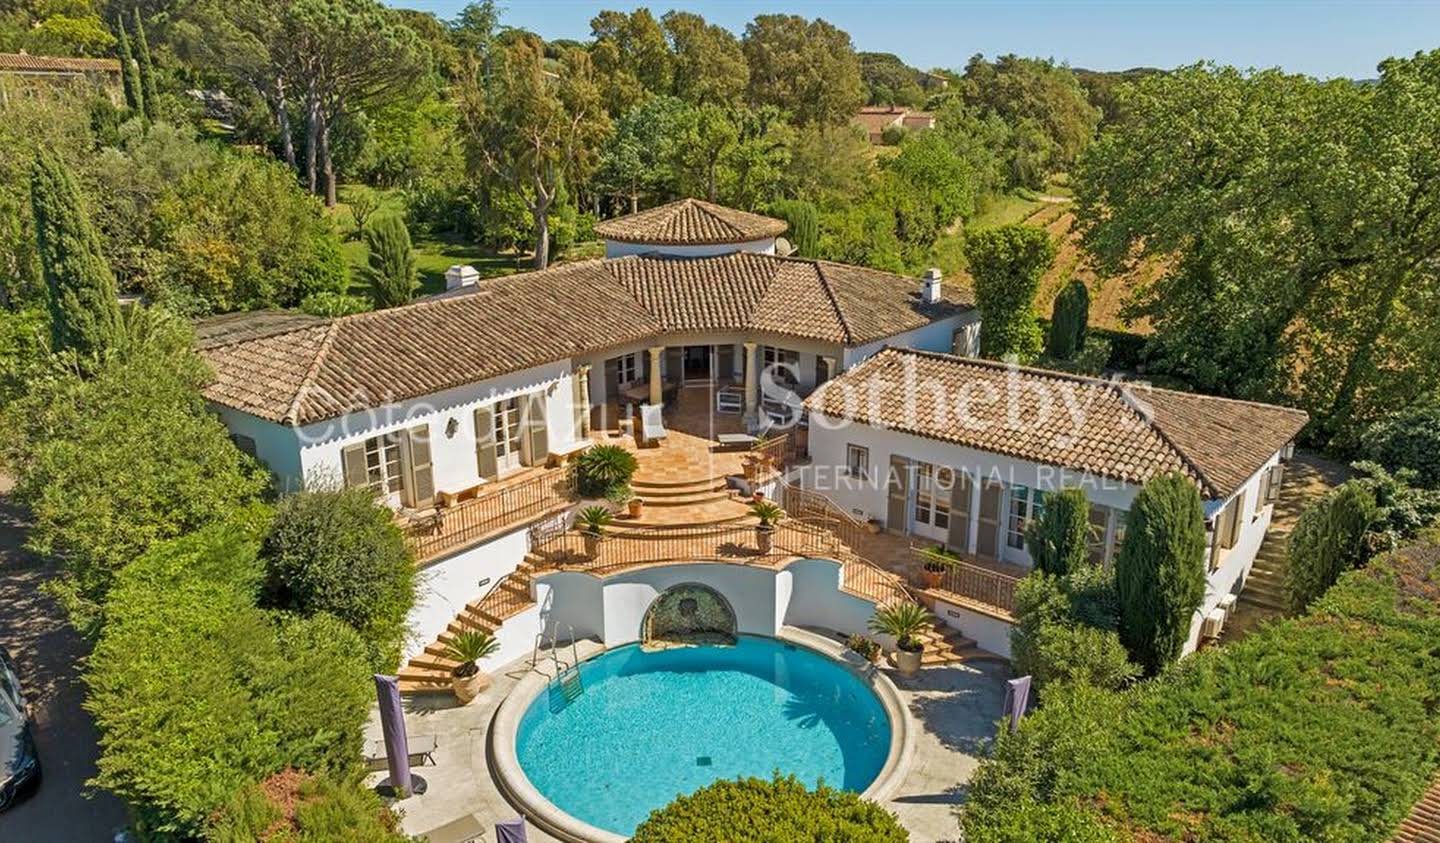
(1065, 630)
(1058, 539)
(781, 810)
(390, 261)
(1070, 317)
(294, 807)
(1328, 540)
(339, 551)
(197, 693)
(1409, 439)
(1321, 727)
(1160, 571)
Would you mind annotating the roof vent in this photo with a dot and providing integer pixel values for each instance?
(461, 275)
(930, 286)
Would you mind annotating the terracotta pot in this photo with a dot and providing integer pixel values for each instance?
(757, 496)
(908, 662)
(932, 578)
(592, 543)
(764, 538)
(467, 688)
(637, 507)
(873, 527)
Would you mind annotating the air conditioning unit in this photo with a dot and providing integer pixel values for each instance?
(1213, 624)
(1227, 604)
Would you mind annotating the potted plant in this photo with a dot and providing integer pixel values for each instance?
(592, 522)
(468, 648)
(867, 648)
(636, 506)
(769, 513)
(903, 621)
(934, 568)
(604, 472)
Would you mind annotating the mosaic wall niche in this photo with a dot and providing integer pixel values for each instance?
(688, 614)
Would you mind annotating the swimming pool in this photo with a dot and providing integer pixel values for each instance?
(649, 726)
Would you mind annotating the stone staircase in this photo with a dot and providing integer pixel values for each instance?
(704, 502)
(1265, 587)
(429, 670)
(945, 645)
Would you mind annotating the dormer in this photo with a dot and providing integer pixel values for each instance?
(690, 228)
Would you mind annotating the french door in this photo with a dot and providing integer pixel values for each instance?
(507, 435)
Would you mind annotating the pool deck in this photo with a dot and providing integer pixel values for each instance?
(954, 710)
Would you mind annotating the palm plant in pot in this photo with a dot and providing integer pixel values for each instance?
(769, 514)
(604, 471)
(592, 521)
(903, 621)
(468, 648)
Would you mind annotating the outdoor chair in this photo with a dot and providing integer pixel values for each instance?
(652, 425)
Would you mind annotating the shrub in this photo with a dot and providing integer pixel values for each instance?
(1083, 654)
(339, 551)
(1403, 510)
(1040, 602)
(1160, 571)
(1065, 630)
(197, 693)
(1032, 822)
(330, 305)
(294, 807)
(804, 225)
(1409, 439)
(1328, 540)
(1315, 728)
(604, 471)
(1007, 264)
(390, 262)
(1058, 541)
(781, 810)
(1069, 320)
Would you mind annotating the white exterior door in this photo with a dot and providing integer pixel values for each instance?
(507, 435)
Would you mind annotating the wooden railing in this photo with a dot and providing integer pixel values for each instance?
(970, 581)
(470, 521)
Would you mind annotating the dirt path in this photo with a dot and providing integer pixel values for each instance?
(48, 654)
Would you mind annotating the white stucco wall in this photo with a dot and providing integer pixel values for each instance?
(988, 633)
(619, 249)
(448, 584)
(275, 445)
(936, 336)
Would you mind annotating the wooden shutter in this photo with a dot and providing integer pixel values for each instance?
(987, 543)
(580, 405)
(725, 361)
(1277, 476)
(485, 463)
(959, 536)
(898, 482)
(419, 474)
(536, 434)
(353, 460)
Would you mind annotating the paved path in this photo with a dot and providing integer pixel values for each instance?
(48, 656)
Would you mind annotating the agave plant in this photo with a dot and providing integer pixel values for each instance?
(468, 648)
(902, 620)
(604, 471)
(594, 519)
(768, 512)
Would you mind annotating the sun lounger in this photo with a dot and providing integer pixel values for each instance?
(652, 425)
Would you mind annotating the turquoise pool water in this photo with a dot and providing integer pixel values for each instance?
(651, 726)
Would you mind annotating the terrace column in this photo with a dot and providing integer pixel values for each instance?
(751, 379)
(584, 408)
(829, 368)
(656, 353)
(973, 528)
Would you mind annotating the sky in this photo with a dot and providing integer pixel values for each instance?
(1325, 39)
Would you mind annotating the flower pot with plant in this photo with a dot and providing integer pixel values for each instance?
(636, 507)
(903, 621)
(866, 648)
(934, 568)
(603, 472)
(468, 648)
(592, 522)
(769, 514)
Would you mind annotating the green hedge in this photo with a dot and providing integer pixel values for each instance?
(781, 810)
(1320, 728)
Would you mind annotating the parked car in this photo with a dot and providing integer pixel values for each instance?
(19, 765)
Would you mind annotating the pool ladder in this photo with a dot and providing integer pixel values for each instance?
(560, 666)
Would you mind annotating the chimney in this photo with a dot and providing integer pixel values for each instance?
(461, 275)
(930, 286)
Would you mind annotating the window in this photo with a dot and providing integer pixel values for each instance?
(782, 363)
(1098, 533)
(932, 495)
(857, 461)
(627, 367)
(1025, 504)
(382, 463)
(246, 444)
(1118, 539)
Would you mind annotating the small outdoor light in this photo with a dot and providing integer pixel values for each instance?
(450, 428)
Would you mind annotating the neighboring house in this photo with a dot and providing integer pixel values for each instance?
(961, 452)
(876, 119)
(22, 74)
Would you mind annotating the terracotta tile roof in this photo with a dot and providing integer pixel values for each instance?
(311, 370)
(1423, 824)
(1124, 431)
(249, 325)
(690, 222)
(24, 62)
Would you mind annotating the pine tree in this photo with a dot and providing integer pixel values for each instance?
(129, 71)
(1160, 572)
(1069, 321)
(1058, 541)
(390, 267)
(147, 71)
(84, 313)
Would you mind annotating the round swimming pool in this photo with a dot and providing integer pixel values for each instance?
(645, 727)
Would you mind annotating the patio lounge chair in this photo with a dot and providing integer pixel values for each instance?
(422, 750)
(652, 426)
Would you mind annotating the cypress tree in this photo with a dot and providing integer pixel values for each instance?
(1160, 572)
(1058, 541)
(804, 222)
(129, 72)
(1007, 264)
(390, 267)
(84, 313)
(1328, 540)
(147, 70)
(1069, 321)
